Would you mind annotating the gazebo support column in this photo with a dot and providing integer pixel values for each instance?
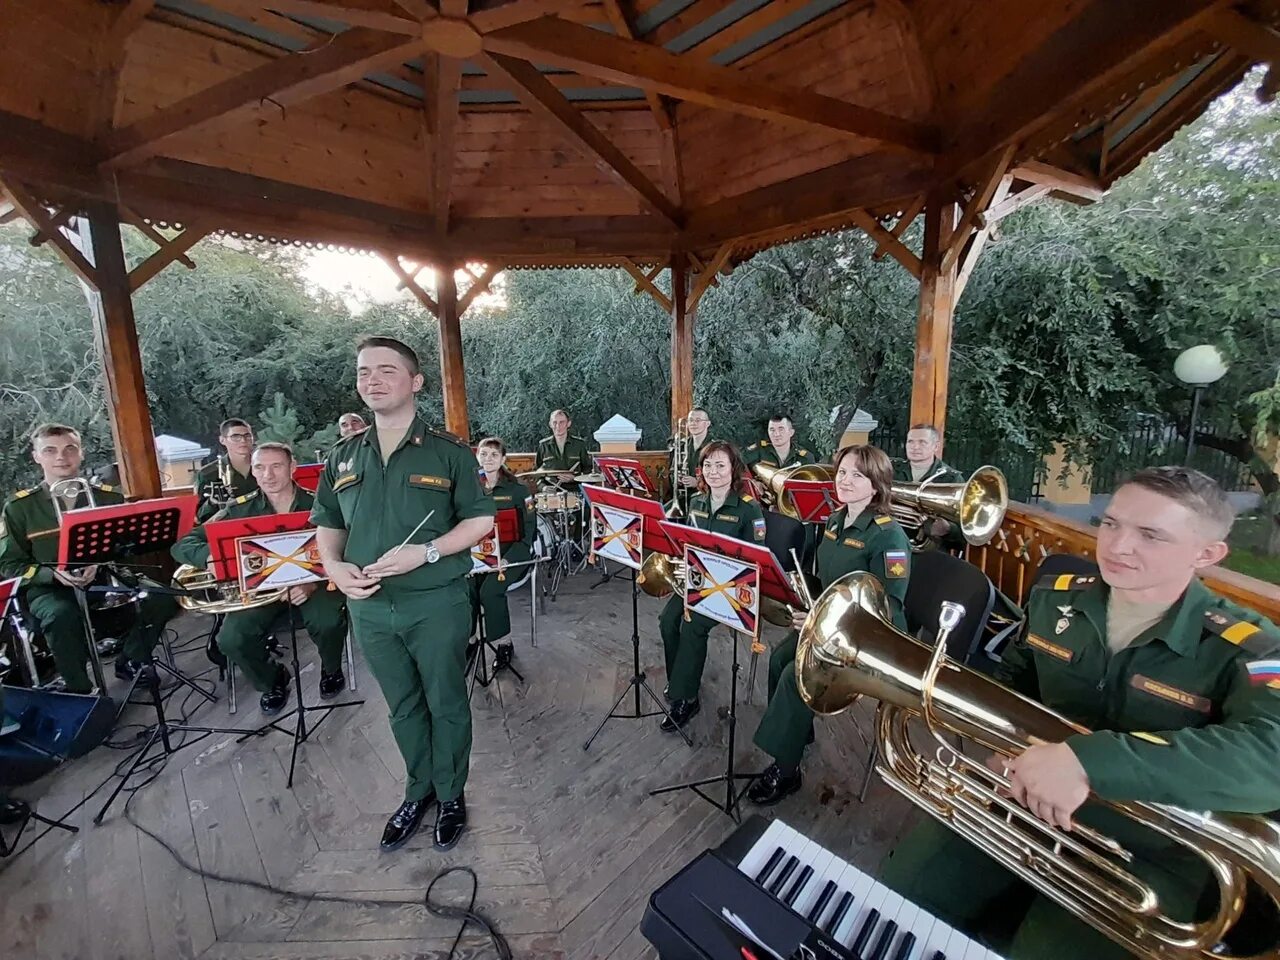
(682, 316)
(936, 313)
(453, 380)
(117, 341)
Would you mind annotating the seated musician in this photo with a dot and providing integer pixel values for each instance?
(562, 450)
(861, 535)
(487, 591)
(349, 424)
(231, 474)
(780, 450)
(29, 548)
(1179, 688)
(924, 460)
(243, 637)
(721, 505)
(699, 424)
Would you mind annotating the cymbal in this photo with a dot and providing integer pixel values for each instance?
(537, 474)
(590, 478)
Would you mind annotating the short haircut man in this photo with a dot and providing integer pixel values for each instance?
(406, 352)
(46, 430)
(230, 424)
(274, 445)
(1196, 491)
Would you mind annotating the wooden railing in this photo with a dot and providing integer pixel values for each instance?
(1030, 534)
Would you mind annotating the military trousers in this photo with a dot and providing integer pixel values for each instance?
(787, 725)
(415, 645)
(684, 646)
(489, 594)
(943, 873)
(58, 613)
(243, 637)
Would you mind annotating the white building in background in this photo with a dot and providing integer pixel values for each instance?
(179, 460)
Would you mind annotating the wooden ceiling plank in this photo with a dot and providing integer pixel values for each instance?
(286, 80)
(645, 283)
(418, 8)
(351, 16)
(690, 78)
(130, 217)
(172, 250)
(979, 202)
(745, 27)
(1245, 35)
(509, 14)
(35, 215)
(883, 238)
(478, 286)
(411, 284)
(541, 97)
(907, 218)
(622, 26)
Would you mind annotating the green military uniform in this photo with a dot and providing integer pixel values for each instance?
(574, 458)
(242, 636)
(29, 537)
(941, 472)
(875, 543)
(414, 629)
(684, 642)
(762, 451)
(1177, 719)
(487, 591)
(241, 485)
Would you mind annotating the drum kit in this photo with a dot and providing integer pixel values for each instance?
(562, 526)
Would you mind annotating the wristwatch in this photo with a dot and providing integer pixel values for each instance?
(433, 552)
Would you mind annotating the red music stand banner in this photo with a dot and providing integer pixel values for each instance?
(224, 535)
(272, 561)
(815, 500)
(8, 590)
(652, 535)
(486, 556)
(123, 529)
(626, 476)
(617, 535)
(307, 475)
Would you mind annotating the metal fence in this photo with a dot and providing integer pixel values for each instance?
(1022, 470)
(1150, 441)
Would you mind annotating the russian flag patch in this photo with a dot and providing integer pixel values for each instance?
(1264, 671)
(759, 528)
(895, 564)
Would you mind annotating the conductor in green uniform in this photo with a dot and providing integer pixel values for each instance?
(398, 509)
(29, 532)
(780, 450)
(323, 612)
(562, 450)
(721, 505)
(487, 591)
(231, 475)
(924, 461)
(1180, 688)
(861, 535)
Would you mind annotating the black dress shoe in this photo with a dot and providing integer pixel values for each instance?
(682, 711)
(404, 822)
(13, 811)
(332, 684)
(502, 658)
(273, 700)
(127, 669)
(451, 821)
(772, 785)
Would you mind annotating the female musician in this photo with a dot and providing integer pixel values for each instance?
(487, 590)
(721, 505)
(861, 535)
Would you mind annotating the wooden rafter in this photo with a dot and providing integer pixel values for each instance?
(541, 97)
(1245, 35)
(1059, 180)
(270, 87)
(1013, 203)
(645, 282)
(57, 220)
(690, 78)
(900, 227)
(170, 251)
(973, 250)
(411, 284)
(707, 274)
(496, 16)
(35, 215)
(442, 112)
(352, 16)
(684, 21)
(887, 241)
(151, 233)
(760, 19)
(622, 27)
(991, 178)
(479, 286)
(8, 213)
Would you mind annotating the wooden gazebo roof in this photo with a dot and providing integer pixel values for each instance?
(576, 131)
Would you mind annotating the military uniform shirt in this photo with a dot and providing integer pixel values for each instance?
(194, 547)
(380, 505)
(739, 517)
(762, 451)
(944, 472)
(29, 532)
(208, 474)
(575, 458)
(694, 450)
(874, 543)
(1188, 714)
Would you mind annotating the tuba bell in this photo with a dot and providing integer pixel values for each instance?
(978, 505)
(661, 575)
(850, 648)
(208, 595)
(772, 479)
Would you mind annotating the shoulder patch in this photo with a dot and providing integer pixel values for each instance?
(343, 441)
(23, 493)
(104, 487)
(247, 497)
(748, 498)
(446, 435)
(1241, 633)
(753, 446)
(1065, 581)
(883, 520)
(803, 452)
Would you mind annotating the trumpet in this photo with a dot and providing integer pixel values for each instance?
(773, 481)
(849, 648)
(978, 505)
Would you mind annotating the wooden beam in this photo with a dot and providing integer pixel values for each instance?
(536, 92)
(707, 275)
(907, 218)
(936, 314)
(644, 282)
(989, 181)
(622, 27)
(9, 213)
(453, 378)
(1063, 181)
(444, 110)
(151, 233)
(352, 16)
(977, 243)
(690, 78)
(478, 286)
(411, 284)
(267, 90)
(171, 251)
(419, 8)
(116, 336)
(496, 16)
(35, 215)
(682, 315)
(1245, 35)
(887, 241)
(1013, 203)
(58, 220)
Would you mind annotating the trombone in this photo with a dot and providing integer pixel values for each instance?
(681, 451)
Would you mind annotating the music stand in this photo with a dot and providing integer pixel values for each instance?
(618, 514)
(307, 475)
(625, 476)
(814, 499)
(486, 559)
(752, 570)
(268, 553)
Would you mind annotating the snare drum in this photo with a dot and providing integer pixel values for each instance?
(553, 501)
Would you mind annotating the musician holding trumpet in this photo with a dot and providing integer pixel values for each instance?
(229, 476)
(691, 436)
(861, 535)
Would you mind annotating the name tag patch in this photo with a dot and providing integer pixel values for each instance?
(851, 542)
(1182, 698)
(424, 480)
(1052, 649)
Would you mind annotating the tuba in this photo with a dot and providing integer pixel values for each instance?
(208, 595)
(772, 479)
(849, 648)
(977, 505)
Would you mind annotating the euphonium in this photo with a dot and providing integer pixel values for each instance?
(661, 575)
(849, 648)
(208, 595)
(977, 505)
(773, 479)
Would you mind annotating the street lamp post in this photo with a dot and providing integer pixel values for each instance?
(1198, 367)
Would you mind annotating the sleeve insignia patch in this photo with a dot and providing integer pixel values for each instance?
(895, 564)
